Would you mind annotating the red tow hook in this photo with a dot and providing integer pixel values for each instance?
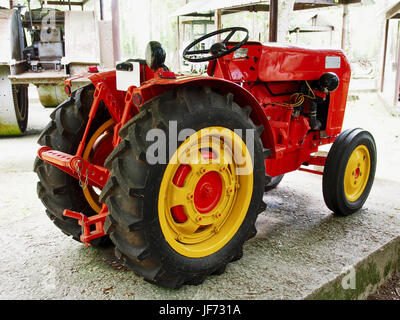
(86, 223)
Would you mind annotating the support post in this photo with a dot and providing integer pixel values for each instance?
(273, 21)
(384, 54)
(218, 23)
(101, 10)
(217, 19)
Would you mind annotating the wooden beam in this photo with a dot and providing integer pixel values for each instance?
(64, 3)
(393, 11)
(311, 2)
(273, 21)
(329, 2)
(313, 29)
(305, 6)
(251, 8)
(217, 19)
(199, 22)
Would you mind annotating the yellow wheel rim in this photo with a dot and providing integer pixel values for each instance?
(90, 193)
(205, 192)
(357, 173)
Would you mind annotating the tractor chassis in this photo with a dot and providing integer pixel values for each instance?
(97, 176)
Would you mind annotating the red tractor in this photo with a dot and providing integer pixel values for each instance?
(172, 168)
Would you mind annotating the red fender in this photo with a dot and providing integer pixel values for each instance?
(241, 96)
(157, 86)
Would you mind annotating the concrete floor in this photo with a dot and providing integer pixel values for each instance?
(300, 245)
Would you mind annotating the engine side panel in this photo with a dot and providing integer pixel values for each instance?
(295, 64)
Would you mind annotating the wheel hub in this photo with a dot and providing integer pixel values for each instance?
(208, 192)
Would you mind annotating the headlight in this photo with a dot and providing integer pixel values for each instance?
(328, 82)
(155, 55)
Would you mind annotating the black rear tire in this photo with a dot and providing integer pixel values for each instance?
(56, 189)
(132, 191)
(333, 183)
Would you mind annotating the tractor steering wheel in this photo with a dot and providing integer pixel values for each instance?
(218, 49)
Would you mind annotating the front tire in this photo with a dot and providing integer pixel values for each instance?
(176, 223)
(349, 171)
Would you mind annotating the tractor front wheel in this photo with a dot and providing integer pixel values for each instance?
(175, 220)
(349, 171)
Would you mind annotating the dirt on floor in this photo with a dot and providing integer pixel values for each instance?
(389, 291)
